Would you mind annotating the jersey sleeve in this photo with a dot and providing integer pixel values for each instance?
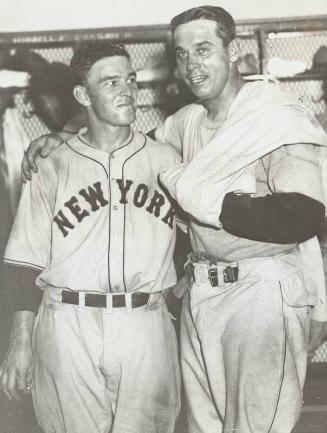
(169, 132)
(295, 168)
(29, 242)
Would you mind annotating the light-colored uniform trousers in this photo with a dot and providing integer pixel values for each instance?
(102, 371)
(243, 348)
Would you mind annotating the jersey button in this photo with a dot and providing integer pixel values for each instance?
(112, 155)
(115, 207)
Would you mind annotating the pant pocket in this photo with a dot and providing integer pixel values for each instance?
(294, 291)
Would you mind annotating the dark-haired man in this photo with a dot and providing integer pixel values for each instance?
(251, 182)
(97, 232)
(253, 189)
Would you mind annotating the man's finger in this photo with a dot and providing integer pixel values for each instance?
(24, 382)
(26, 171)
(22, 171)
(31, 155)
(30, 378)
(3, 379)
(11, 385)
(50, 144)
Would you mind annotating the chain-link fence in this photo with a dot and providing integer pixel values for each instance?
(300, 46)
(154, 52)
(150, 110)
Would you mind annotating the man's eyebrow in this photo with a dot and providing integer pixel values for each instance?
(109, 77)
(116, 77)
(198, 44)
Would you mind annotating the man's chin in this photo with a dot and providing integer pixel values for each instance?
(201, 93)
(126, 120)
(127, 115)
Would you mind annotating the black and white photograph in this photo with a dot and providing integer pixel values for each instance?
(163, 216)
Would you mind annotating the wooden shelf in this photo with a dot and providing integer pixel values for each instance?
(307, 76)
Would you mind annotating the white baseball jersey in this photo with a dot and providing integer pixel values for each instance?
(288, 168)
(99, 222)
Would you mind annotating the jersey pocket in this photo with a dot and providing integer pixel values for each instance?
(294, 291)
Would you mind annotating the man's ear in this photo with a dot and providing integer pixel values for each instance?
(81, 96)
(234, 50)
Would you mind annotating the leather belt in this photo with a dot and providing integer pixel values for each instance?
(229, 273)
(208, 269)
(98, 300)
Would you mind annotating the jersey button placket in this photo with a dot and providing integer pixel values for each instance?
(116, 253)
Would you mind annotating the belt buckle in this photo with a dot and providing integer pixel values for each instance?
(213, 276)
(230, 274)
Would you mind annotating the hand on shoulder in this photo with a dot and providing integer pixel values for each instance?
(41, 148)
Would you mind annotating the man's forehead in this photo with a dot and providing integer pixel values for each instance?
(115, 65)
(195, 32)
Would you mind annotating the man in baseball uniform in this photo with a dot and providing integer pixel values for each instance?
(252, 186)
(251, 182)
(97, 232)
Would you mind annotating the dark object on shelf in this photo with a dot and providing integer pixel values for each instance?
(52, 95)
(320, 59)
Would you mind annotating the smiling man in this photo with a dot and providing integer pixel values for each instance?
(252, 186)
(97, 232)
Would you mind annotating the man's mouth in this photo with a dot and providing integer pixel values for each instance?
(196, 80)
(126, 103)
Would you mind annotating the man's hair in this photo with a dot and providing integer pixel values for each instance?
(225, 22)
(84, 58)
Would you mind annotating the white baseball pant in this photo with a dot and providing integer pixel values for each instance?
(101, 371)
(244, 348)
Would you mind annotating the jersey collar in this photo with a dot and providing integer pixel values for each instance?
(133, 144)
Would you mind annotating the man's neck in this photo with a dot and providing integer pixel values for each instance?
(107, 137)
(218, 108)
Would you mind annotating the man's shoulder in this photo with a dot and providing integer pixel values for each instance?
(188, 110)
(55, 160)
(267, 95)
(159, 151)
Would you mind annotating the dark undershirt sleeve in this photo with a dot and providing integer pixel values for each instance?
(283, 218)
(151, 134)
(19, 283)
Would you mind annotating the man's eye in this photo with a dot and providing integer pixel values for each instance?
(180, 54)
(203, 51)
(111, 83)
(131, 80)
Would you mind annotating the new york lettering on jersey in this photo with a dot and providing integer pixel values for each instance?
(108, 210)
(92, 198)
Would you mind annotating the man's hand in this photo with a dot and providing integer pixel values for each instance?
(16, 371)
(41, 147)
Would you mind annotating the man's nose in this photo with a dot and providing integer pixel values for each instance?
(192, 62)
(125, 89)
